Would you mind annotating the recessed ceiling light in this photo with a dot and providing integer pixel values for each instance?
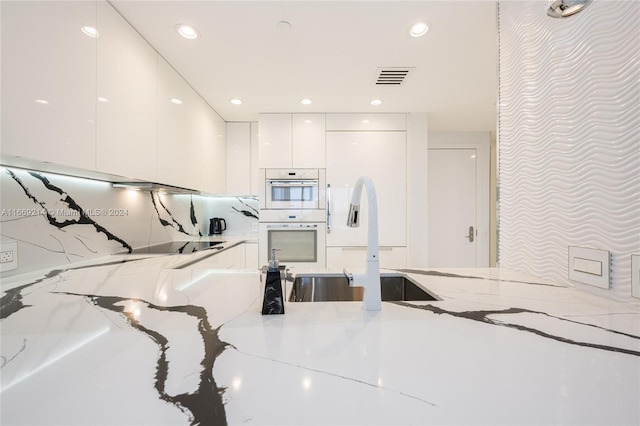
(236, 101)
(101, 99)
(187, 31)
(376, 102)
(175, 101)
(419, 29)
(306, 101)
(90, 31)
(41, 101)
(284, 26)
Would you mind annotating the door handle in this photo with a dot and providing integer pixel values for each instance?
(471, 235)
(328, 208)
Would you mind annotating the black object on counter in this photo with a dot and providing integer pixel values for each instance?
(273, 302)
(217, 225)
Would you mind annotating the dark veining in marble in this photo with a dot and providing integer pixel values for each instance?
(175, 225)
(81, 218)
(251, 212)
(450, 275)
(3, 359)
(205, 405)
(484, 317)
(11, 301)
(194, 220)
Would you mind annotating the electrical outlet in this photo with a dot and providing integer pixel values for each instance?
(8, 255)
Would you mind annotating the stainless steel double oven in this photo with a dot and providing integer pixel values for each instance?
(293, 217)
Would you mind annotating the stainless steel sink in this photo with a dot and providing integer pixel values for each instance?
(332, 288)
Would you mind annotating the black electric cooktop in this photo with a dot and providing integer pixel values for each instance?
(177, 247)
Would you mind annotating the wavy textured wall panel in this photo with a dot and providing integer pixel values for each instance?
(569, 137)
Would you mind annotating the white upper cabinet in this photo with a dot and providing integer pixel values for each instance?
(49, 81)
(291, 140)
(238, 158)
(274, 141)
(178, 140)
(212, 161)
(191, 136)
(381, 156)
(127, 114)
(308, 141)
(366, 122)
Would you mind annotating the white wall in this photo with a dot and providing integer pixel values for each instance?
(417, 205)
(569, 137)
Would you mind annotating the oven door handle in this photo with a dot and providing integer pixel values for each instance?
(293, 182)
(328, 208)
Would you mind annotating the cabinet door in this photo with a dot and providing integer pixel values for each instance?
(308, 146)
(251, 256)
(381, 156)
(210, 137)
(179, 150)
(49, 81)
(127, 85)
(367, 122)
(275, 141)
(238, 159)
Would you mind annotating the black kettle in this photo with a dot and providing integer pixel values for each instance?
(217, 225)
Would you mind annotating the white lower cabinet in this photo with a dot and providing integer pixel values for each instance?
(231, 258)
(251, 256)
(356, 257)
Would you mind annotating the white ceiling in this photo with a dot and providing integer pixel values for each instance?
(331, 54)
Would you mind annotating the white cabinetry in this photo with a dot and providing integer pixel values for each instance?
(102, 103)
(49, 82)
(127, 84)
(238, 158)
(308, 141)
(190, 136)
(178, 156)
(251, 255)
(213, 149)
(231, 258)
(353, 149)
(292, 140)
(366, 122)
(275, 141)
(381, 156)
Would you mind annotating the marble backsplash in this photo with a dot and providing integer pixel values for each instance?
(57, 219)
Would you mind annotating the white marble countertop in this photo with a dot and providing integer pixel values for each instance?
(131, 340)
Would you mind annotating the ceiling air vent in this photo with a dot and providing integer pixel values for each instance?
(392, 76)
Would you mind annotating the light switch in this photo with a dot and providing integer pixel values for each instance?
(589, 266)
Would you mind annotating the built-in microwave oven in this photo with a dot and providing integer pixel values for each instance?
(293, 189)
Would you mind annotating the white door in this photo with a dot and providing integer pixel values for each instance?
(452, 208)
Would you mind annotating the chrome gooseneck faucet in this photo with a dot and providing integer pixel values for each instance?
(370, 280)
